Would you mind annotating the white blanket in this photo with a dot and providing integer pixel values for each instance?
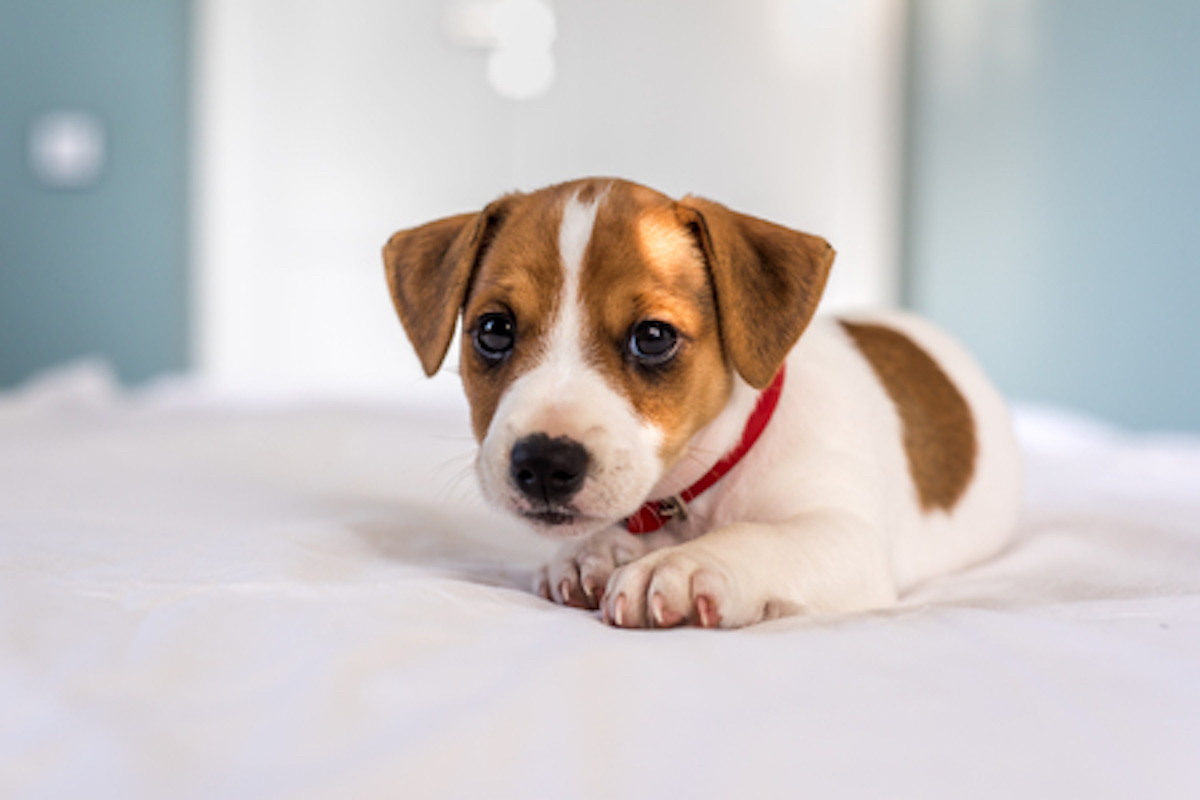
(203, 599)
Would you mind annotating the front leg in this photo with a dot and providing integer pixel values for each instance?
(824, 562)
(580, 570)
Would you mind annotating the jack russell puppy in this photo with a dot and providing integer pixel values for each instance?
(647, 382)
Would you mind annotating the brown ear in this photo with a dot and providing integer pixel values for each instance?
(767, 281)
(428, 271)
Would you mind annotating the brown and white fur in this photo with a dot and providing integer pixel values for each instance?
(890, 458)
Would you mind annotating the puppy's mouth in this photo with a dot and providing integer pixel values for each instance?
(552, 517)
(561, 522)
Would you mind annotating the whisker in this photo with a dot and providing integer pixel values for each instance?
(452, 474)
(457, 487)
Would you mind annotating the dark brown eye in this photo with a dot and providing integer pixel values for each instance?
(653, 343)
(495, 335)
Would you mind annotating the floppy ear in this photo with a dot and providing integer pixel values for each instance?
(767, 281)
(429, 270)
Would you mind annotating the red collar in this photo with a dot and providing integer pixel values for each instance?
(656, 513)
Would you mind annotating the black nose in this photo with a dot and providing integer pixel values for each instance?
(548, 470)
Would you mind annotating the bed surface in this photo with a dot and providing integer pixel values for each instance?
(208, 598)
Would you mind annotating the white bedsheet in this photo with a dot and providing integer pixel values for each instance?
(211, 599)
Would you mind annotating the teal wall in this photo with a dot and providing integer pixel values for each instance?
(99, 270)
(1053, 173)
(1054, 197)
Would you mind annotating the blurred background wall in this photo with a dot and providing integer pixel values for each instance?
(323, 127)
(93, 184)
(1054, 197)
(207, 184)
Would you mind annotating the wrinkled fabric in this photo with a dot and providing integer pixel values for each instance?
(205, 598)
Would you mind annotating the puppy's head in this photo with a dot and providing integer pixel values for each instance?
(603, 324)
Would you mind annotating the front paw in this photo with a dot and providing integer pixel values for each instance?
(675, 586)
(580, 571)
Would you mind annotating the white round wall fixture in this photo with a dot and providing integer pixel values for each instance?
(520, 35)
(67, 149)
(520, 74)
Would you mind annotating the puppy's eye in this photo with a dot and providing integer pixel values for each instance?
(653, 343)
(495, 335)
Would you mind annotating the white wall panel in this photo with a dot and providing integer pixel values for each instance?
(324, 126)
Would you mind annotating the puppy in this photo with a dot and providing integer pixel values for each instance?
(647, 382)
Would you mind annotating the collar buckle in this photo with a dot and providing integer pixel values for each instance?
(673, 508)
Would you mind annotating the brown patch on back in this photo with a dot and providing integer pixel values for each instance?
(939, 429)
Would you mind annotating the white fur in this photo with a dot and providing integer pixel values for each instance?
(563, 395)
(820, 516)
